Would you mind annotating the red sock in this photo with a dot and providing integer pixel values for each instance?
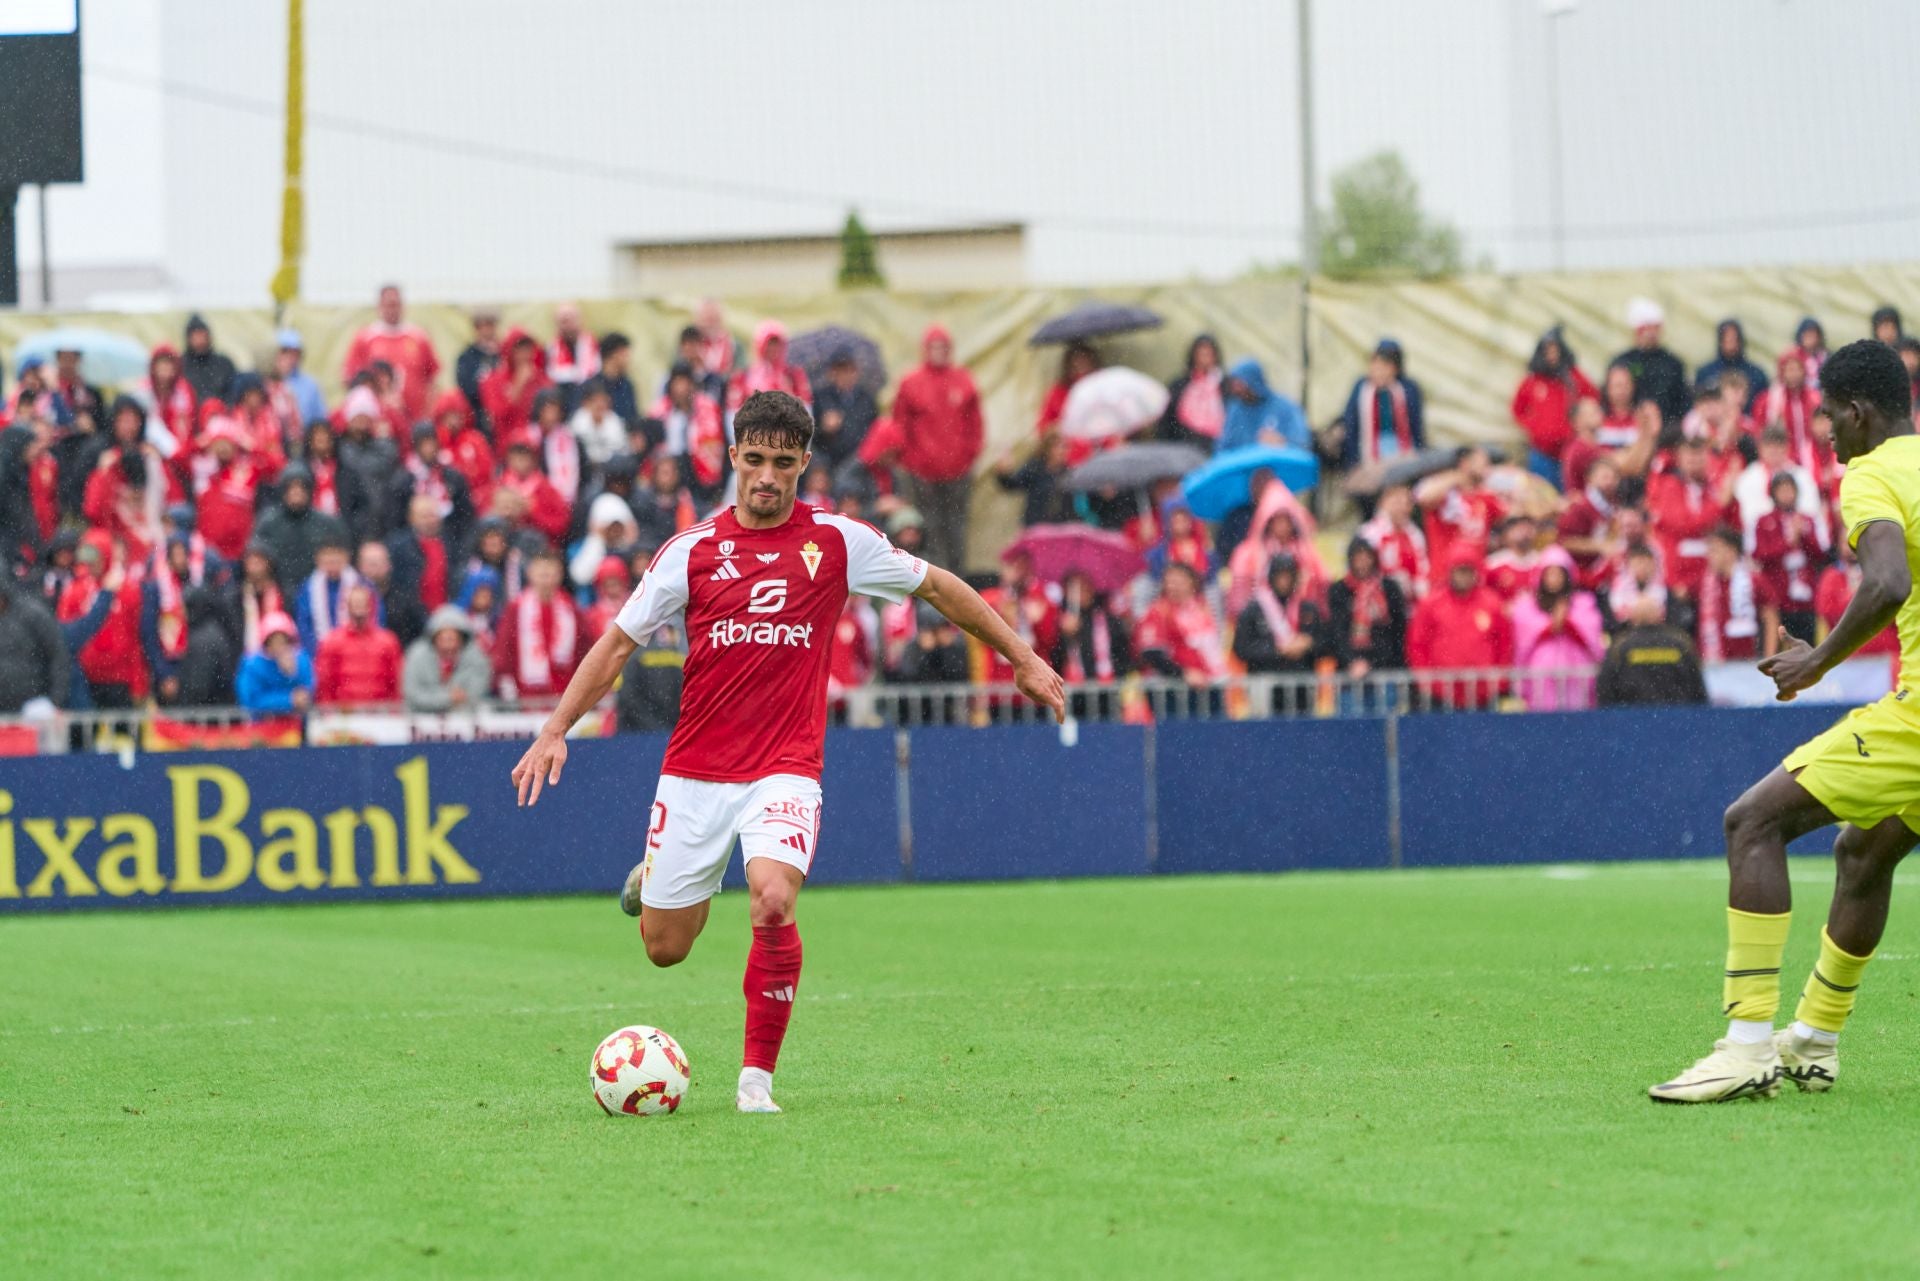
(772, 982)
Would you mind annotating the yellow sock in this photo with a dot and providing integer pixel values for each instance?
(1828, 997)
(1754, 945)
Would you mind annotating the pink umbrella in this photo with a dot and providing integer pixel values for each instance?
(1059, 550)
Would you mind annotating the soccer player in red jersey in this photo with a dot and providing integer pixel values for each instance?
(757, 589)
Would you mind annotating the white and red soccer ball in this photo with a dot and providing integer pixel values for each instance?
(639, 1071)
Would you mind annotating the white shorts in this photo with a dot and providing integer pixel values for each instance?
(691, 832)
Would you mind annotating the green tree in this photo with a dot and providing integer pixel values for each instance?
(859, 263)
(1376, 227)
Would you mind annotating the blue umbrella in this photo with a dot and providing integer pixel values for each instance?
(815, 350)
(1093, 320)
(1225, 482)
(104, 357)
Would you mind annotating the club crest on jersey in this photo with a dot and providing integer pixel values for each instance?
(810, 557)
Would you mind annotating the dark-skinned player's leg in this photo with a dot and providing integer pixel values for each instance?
(1864, 859)
(772, 981)
(1759, 826)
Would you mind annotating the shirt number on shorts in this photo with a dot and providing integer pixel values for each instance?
(657, 826)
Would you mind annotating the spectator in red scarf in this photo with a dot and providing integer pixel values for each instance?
(1461, 624)
(1738, 618)
(1095, 639)
(1399, 541)
(1557, 631)
(1543, 404)
(1640, 584)
(715, 344)
(464, 448)
(186, 625)
(1513, 564)
(1386, 413)
(1792, 405)
(769, 370)
(1685, 504)
(258, 425)
(359, 661)
(1183, 541)
(43, 480)
(1788, 553)
(231, 493)
(170, 398)
(526, 498)
(405, 347)
(1076, 362)
(1282, 533)
(1810, 338)
(129, 485)
(1753, 489)
(572, 357)
(508, 392)
(291, 390)
(113, 661)
(1195, 408)
(320, 460)
(1461, 511)
(260, 595)
(1279, 631)
(1366, 615)
(559, 448)
(539, 640)
(422, 555)
(1586, 526)
(427, 474)
(692, 430)
(1025, 603)
(1838, 582)
(852, 652)
(937, 413)
(70, 385)
(1179, 635)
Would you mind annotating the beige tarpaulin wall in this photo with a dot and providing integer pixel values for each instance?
(1467, 339)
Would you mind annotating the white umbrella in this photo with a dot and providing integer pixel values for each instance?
(1112, 402)
(105, 357)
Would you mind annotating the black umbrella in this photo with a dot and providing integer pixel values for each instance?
(1093, 320)
(816, 349)
(1134, 466)
(1408, 469)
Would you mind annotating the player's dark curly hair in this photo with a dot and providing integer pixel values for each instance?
(779, 421)
(1871, 372)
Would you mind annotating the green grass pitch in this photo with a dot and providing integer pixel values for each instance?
(1326, 1075)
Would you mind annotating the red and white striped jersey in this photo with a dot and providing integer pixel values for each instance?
(759, 608)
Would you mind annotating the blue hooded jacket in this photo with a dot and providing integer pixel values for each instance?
(1271, 411)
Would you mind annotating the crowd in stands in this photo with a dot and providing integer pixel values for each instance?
(440, 538)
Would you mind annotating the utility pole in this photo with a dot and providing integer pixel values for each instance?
(1309, 215)
(1554, 10)
(46, 260)
(9, 263)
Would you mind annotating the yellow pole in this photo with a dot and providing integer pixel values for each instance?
(286, 280)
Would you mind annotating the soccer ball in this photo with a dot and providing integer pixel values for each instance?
(639, 1071)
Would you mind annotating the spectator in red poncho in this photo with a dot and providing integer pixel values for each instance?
(1738, 618)
(1686, 504)
(1400, 542)
(113, 661)
(572, 357)
(231, 493)
(1461, 511)
(1543, 404)
(769, 370)
(1787, 551)
(714, 342)
(1183, 541)
(693, 431)
(405, 347)
(1022, 600)
(937, 412)
(612, 584)
(1076, 362)
(129, 486)
(359, 661)
(540, 638)
(1179, 635)
(1793, 406)
(509, 390)
(169, 397)
(258, 425)
(464, 446)
(525, 497)
(850, 654)
(1586, 526)
(43, 482)
(1461, 624)
(879, 453)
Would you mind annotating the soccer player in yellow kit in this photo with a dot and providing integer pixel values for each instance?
(1863, 773)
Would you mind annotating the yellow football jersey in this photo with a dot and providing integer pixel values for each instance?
(1884, 484)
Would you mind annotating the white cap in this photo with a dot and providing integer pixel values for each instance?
(1642, 312)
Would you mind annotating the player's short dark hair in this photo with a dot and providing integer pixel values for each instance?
(1870, 372)
(774, 419)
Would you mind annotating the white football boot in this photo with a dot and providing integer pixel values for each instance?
(1812, 1065)
(1732, 1071)
(756, 1092)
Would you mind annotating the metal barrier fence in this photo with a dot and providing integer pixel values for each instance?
(1134, 700)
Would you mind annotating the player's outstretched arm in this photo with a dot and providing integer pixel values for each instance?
(964, 608)
(1885, 584)
(591, 682)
